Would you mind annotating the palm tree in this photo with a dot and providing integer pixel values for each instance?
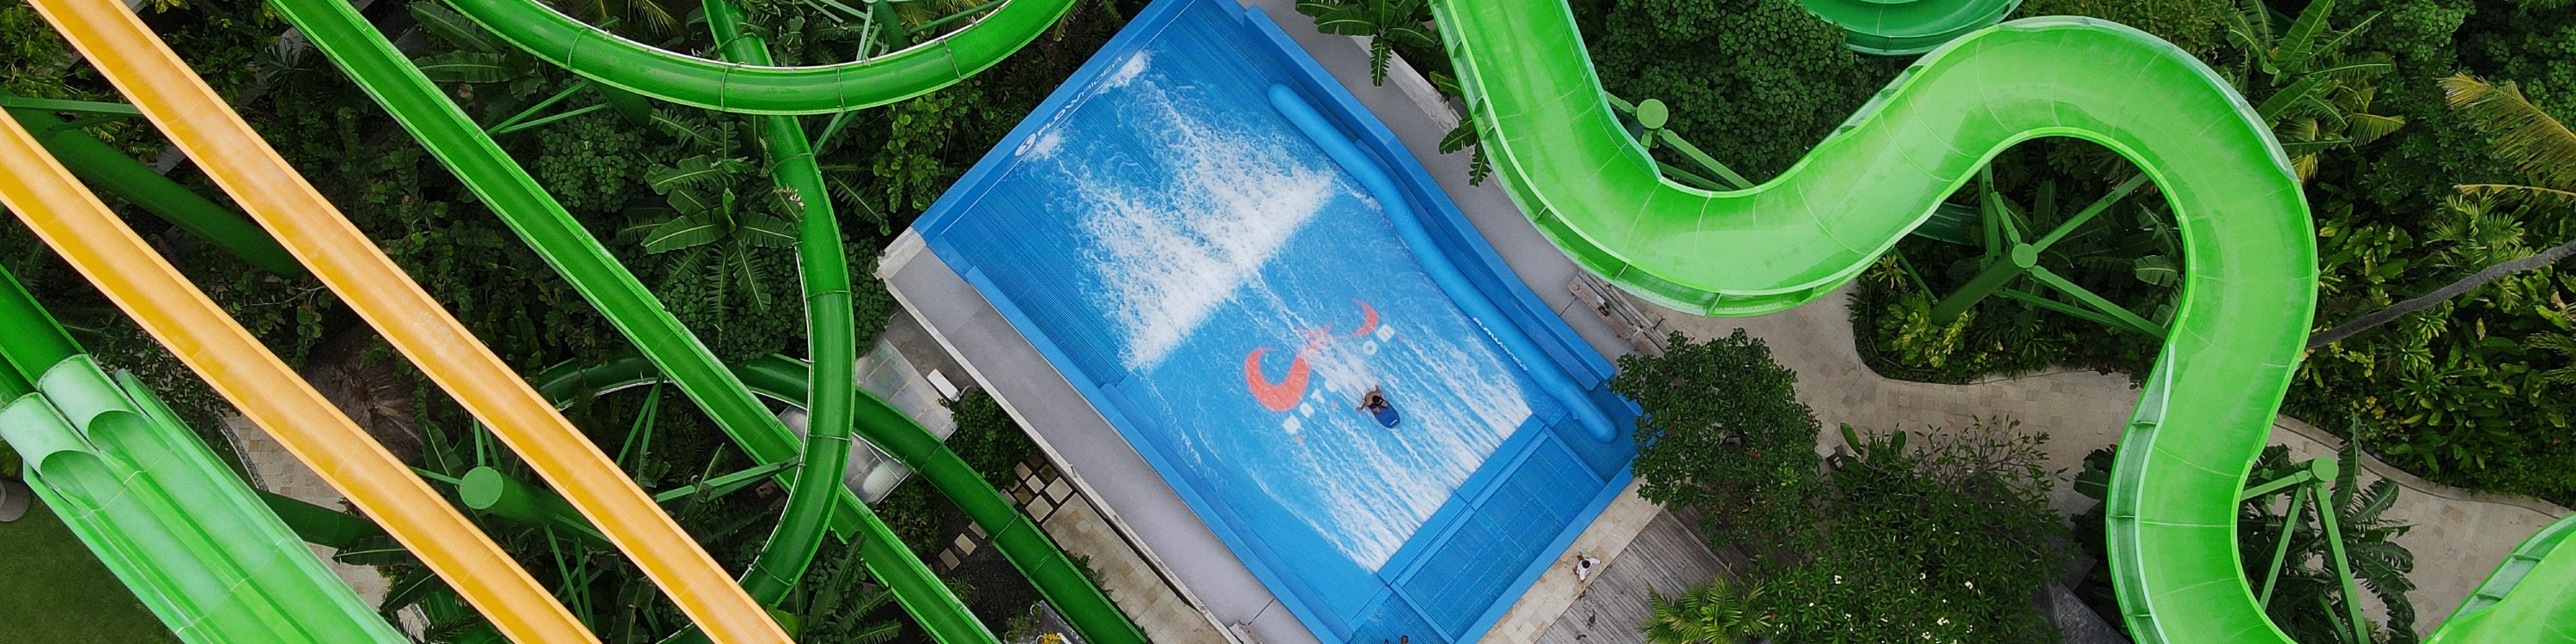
(2538, 146)
(2308, 601)
(1711, 614)
(1386, 23)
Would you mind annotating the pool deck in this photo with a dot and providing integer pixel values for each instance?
(1126, 490)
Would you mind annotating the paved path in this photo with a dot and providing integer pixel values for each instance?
(2459, 536)
(274, 469)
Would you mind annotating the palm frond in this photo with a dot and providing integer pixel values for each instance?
(2301, 41)
(2538, 145)
(408, 587)
(689, 128)
(701, 172)
(2506, 193)
(753, 275)
(2352, 68)
(2280, 103)
(686, 202)
(765, 231)
(2250, 27)
(2334, 46)
(2366, 128)
(464, 67)
(452, 27)
(877, 633)
(693, 230)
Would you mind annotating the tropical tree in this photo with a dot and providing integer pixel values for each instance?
(719, 216)
(2317, 94)
(1712, 614)
(2541, 148)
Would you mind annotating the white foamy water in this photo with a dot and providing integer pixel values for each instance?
(1445, 436)
(1178, 235)
(1173, 251)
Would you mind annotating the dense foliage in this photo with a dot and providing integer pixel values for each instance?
(2471, 391)
(1724, 434)
(1934, 536)
(1754, 83)
(1715, 613)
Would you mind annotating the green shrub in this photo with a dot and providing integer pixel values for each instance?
(987, 438)
(1945, 539)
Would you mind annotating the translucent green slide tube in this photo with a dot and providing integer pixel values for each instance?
(1020, 540)
(194, 542)
(2245, 304)
(762, 89)
(1907, 27)
(2528, 596)
(102, 166)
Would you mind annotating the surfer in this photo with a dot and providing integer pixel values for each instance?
(1374, 402)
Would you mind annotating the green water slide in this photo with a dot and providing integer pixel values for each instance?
(2527, 596)
(1018, 538)
(1907, 27)
(102, 166)
(372, 62)
(831, 338)
(763, 89)
(195, 543)
(2249, 248)
(679, 356)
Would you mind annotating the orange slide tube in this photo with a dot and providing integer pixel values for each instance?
(118, 44)
(71, 220)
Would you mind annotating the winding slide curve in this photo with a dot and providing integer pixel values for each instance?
(2246, 301)
(1907, 27)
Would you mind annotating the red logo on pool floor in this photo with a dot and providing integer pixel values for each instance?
(1283, 395)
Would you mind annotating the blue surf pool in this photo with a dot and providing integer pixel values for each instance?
(1225, 293)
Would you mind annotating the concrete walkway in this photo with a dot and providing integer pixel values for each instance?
(2459, 536)
(276, 470)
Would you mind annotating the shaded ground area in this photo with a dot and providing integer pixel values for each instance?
(1666, 558)
(53, 591)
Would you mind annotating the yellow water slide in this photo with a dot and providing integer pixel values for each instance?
(71, 219)
(126, 52)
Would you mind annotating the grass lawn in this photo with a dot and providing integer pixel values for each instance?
(53, 591)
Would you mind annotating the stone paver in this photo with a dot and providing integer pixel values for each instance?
(1665, 558)
(2459, 536)
(1131, 582)
(274, 469)
(1556, 589)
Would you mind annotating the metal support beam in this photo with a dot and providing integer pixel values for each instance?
(2138, 324)
(2020, 260)
(77, 107)
(539, 107)
(2326, 511)
(2089, 212)
(488, 490)
(727, 484)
